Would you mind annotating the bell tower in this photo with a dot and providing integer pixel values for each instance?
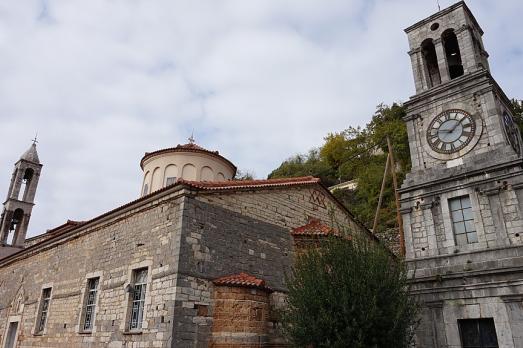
(462, 202)
(20, 200)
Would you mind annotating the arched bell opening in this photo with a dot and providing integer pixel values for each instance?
(452, 54)
(430, 58)
(26, 183)
(14, 226)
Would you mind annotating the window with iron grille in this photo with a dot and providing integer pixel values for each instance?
(463, 220)
(478, 333)
(90, 304)
(138, 298)
(44, 310)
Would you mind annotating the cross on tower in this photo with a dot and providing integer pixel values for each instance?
(35, 140)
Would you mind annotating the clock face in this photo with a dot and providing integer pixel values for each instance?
(511, 131)
(451, 131)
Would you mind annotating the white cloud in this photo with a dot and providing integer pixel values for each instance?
(104, 81)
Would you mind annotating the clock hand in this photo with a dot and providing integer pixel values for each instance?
(457, 124)
(449, 130)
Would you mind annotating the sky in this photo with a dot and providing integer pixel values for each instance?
(104, 81)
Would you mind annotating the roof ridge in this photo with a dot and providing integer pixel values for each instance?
(237, 184)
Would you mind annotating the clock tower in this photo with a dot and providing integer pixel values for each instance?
(462, 202)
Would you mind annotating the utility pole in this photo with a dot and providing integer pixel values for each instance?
(380, 199)
(397, 196)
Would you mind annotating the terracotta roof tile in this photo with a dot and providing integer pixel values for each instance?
(241, 184)
(314, 228)
(241, 280)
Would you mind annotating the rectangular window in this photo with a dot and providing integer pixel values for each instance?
(138, 298)
(463, 220)
(478, 333)
(44, 310)
(90, 304)
(170, 180)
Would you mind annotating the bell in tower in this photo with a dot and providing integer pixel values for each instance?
(19, 202)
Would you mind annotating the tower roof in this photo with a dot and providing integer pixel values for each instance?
(31, 155)
(443, 12)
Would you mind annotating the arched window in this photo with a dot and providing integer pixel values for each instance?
(431, 62)
(26, 181)
(452, 53)
(145, 189)
(14, 226)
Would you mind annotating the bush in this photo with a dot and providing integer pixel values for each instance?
(349, 294)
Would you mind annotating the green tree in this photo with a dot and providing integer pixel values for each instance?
(306, 165)
(349, 294)
(244, 175)
(517, 107)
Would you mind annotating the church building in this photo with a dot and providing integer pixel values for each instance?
(199, 260)
(462, 203)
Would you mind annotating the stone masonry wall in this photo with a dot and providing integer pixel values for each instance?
(217, 242)
(287, 208)
(142, 236)
(248, 231)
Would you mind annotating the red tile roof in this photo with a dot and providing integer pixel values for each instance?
(241, 280)
(314, 228)
(246, 184)
(190, 147)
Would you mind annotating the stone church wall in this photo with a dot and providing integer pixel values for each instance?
(288, 208)
(218, 242)
(141, 236)
(185, 239)
(226, 233)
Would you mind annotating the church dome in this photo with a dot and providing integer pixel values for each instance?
(188, 161)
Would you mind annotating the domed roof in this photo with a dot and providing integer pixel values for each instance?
(189, 147)
(31, 154)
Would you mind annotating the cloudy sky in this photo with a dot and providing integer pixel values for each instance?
(103, 81)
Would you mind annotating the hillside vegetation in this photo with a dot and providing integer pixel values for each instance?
(360, 154)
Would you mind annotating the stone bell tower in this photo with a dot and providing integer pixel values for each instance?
(462, 202)
(19, 202)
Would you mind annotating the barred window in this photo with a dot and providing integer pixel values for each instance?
(44, 310)
(478, 333)
(463, 220)
(90, 304)
(138, 298)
